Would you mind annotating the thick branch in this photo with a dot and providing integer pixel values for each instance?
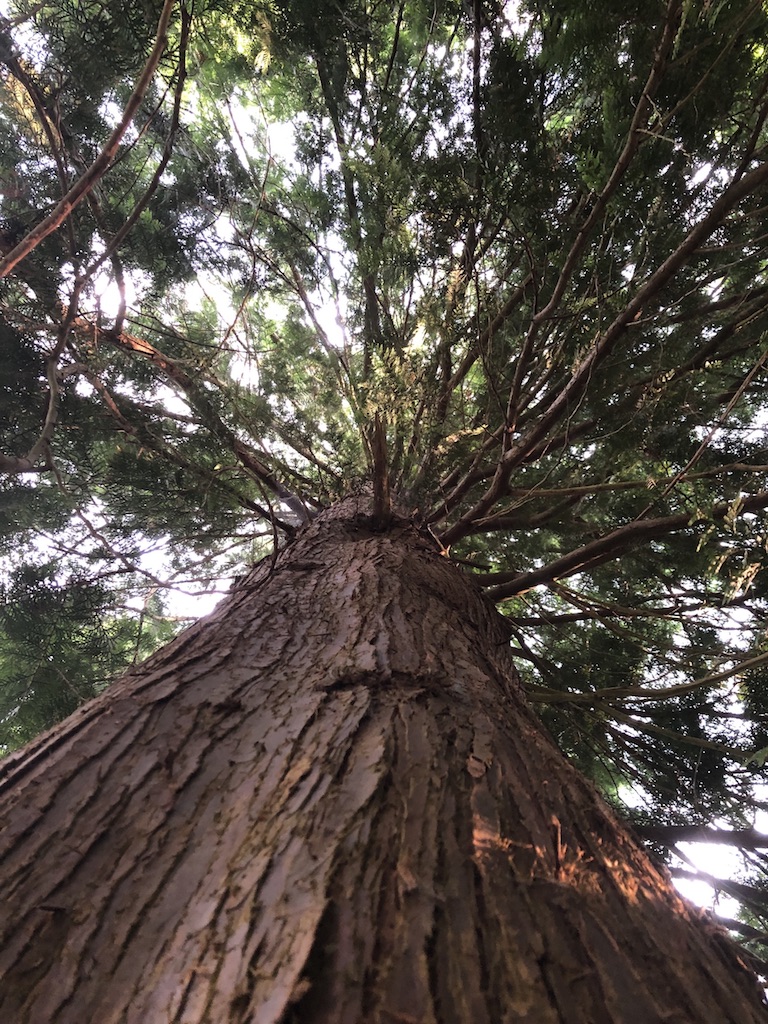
(18, 464)
(746, 838)
(748, 894)
(608, 547)
(382, 500)
(100, 165)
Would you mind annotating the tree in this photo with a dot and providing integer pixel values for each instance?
(341, 810)
(507, 286)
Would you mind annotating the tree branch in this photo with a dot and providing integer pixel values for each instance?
(100, 165)
(746, 838)
(608, 547)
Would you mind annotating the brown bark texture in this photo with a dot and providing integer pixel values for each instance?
(328, 802)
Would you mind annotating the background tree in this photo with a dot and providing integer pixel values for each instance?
(510, 265)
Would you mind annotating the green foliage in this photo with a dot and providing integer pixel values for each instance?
(58, 648)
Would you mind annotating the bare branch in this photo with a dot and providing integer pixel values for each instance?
(746, 838)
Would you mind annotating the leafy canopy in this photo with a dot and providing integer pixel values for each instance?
(507, 261)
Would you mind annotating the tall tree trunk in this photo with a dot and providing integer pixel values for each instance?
(328, 802)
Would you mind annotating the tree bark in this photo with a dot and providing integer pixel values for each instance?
(328, 802)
